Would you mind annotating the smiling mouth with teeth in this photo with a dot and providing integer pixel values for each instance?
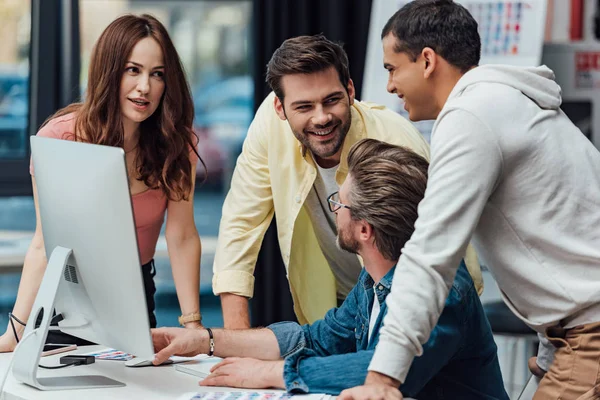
(324, 132)
(139, 102)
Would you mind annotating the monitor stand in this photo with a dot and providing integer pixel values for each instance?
(28, 352)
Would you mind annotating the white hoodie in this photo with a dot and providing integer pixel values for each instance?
(531, 204)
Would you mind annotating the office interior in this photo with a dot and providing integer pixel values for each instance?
(224, 46)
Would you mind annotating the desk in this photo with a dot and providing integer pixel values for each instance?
(142, 383)
(146, 383)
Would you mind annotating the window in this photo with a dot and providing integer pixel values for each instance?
(17, 215)
(15, 20)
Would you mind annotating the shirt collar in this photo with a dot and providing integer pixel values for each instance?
(383, 287)
(385, 282)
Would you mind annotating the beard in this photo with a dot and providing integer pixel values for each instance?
(325, 149)
(345, 241)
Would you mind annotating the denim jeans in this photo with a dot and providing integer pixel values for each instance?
(459, 360)
(148, 273)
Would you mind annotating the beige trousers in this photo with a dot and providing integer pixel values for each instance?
(575, 372)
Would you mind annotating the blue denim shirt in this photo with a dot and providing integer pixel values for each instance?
(459, 360)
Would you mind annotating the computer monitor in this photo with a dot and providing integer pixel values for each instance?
(93, 277)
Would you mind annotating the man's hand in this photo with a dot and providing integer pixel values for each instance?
(534, 368)
(377, 387)
(179, 342)
(376, 378)
(246, 373)
(371, 392)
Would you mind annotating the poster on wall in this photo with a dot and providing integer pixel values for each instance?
(512, 32)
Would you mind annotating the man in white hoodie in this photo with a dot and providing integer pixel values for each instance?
(509, 169)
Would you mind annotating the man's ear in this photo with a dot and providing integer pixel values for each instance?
(430, 61)
(351, 91)
(366, 231)
(278, 104)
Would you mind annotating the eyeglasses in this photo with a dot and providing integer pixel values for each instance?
(334, 202)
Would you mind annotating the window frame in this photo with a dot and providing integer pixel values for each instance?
(53, 79)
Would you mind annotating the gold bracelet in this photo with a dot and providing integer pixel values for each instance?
(191, 317)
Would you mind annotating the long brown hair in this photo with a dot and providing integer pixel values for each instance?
(166, 138)
(388, 182)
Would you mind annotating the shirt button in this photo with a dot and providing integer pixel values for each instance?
(380, 287)
(297, 199)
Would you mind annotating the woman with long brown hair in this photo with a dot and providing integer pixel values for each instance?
(138, 99)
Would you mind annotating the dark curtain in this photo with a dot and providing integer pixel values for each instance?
(274, 21)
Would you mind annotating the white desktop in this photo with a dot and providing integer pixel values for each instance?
(148, 383)
(93, 277)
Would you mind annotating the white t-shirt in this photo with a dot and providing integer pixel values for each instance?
(374, 312)
(345, 266)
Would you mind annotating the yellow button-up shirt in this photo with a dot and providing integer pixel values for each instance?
(273, 175)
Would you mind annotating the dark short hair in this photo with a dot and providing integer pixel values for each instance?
(306, 55)
(388, 182)
(446, 27)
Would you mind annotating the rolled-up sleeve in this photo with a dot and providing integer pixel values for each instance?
(247, 213)
(305, 372)
(322, 357)
(334, 334)
(290, 337)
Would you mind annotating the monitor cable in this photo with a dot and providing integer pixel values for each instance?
(55, 320)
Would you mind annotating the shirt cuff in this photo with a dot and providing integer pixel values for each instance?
(240, 283)
(291, 374)
(392, 360)
(290, 337)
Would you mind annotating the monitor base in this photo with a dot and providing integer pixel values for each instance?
(77, 382)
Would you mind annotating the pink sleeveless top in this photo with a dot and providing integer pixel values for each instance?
(149, 207)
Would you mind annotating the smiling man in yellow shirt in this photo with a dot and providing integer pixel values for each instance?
(293, 157)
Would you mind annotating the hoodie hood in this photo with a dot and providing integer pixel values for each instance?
(537, 83)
